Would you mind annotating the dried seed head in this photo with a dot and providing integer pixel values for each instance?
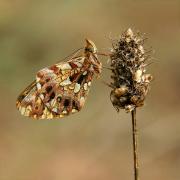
(128, 62)
(120, 91)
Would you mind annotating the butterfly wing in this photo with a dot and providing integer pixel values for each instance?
(29, 103)
(58, 91)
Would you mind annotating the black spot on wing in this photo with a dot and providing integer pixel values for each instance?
(66, 102)
(73, 77)
(21, 97)
(52, 96)
(81, 79)
(75, 105)
(48, 89)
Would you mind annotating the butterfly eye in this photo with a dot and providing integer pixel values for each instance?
(89, 49)
(90, 46)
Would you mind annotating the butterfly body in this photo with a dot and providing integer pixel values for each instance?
(61, 89)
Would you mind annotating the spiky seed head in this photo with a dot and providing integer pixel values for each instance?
(128, 63)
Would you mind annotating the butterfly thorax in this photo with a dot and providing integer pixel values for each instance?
(90, 52)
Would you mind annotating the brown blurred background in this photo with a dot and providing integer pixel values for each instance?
(95, 144)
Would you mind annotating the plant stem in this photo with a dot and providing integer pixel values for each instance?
(135, 145)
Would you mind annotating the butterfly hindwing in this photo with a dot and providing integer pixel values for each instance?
(66, 92)
(59, 90)
(29, 103)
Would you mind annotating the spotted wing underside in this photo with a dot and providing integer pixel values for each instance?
(58, 90)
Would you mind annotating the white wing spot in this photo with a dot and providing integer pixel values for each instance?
(64, 112)
(53, 102)
(22, 109)
(65, 66)
(78, 64)
(55, 110)
(89, 83)
(82, 101)
(27, 112)
(65, 82)
(38, 86)
(85, 87)
(41, 96)
(77, 88)
(74, 110)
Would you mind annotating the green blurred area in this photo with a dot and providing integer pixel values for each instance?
(95, 144)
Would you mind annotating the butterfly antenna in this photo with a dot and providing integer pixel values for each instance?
(104, 67)
(103, 54)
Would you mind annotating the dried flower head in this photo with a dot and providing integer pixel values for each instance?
(128, 63)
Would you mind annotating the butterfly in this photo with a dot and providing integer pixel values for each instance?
(61, 89)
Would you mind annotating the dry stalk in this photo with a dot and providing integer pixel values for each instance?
(135, 144)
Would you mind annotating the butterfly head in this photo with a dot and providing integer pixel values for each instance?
(91, 53)
(90, 47)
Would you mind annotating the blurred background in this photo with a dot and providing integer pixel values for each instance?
(95, 144)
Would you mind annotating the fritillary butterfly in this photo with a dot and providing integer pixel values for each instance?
(61, 89)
